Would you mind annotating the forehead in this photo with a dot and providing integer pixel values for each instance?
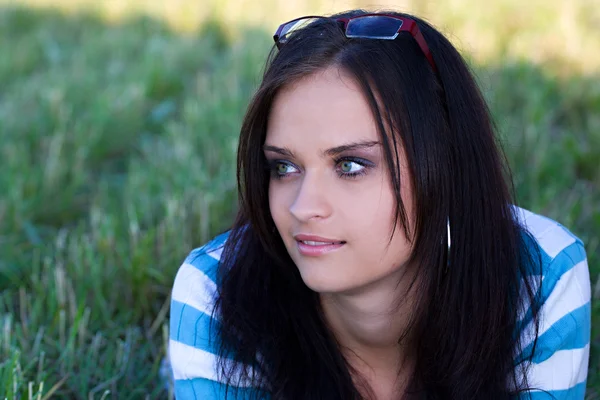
(327, 107)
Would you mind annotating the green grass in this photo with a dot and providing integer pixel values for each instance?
(117, 149)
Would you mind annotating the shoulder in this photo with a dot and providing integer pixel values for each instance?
(552, 238)
(193, 334)
(201, 263)
(193, 293)
(565, 308)
(192, 300)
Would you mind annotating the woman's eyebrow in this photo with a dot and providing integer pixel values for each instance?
(334, 151)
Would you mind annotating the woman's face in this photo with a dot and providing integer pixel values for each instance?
(342, 196)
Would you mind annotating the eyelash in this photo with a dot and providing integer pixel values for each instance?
(272, 167)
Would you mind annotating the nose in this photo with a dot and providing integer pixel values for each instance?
(311, 199)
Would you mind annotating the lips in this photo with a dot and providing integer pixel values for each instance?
(318, 250)
(315, 240)
(313, 243)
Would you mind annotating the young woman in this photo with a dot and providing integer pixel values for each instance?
(377, 253)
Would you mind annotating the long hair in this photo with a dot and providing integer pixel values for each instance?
(466, 316)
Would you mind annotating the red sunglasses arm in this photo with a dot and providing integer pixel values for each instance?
(411, 26)
(416, 32)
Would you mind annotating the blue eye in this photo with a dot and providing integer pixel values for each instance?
(277, 168)
(350, 167)
(346, 169)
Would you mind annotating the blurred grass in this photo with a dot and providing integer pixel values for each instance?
(118, 130)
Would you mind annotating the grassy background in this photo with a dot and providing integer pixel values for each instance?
(118, 130)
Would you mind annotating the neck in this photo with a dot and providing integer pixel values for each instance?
(368, 323)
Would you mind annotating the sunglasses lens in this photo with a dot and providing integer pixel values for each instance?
(374, 27)
(293, 26)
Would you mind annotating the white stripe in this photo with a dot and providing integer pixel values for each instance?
(571, 292)
(562, 371)
(189, 363)
(216, 254)
(551, 237)
(194, 288)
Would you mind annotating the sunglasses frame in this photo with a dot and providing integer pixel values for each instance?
(407, 25)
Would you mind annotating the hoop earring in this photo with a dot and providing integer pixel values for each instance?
(449, 245)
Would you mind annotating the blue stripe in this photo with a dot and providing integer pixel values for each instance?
(572, 331)
(576, 392)
(565, 260)
(216, 242)
(175, 320)
(192, 329)
(574, 250)
(203, 262)
(205, 389)
(553, 270)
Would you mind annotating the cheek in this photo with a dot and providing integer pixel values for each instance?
(277, 203)
(374, 212)
(373, 207)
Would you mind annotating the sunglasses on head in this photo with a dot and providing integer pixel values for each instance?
(369, 26)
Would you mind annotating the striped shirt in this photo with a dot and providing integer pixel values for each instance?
(558, 367)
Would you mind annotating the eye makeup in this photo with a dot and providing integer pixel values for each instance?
(365, 165)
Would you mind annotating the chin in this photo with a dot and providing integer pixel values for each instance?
(321, 284)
